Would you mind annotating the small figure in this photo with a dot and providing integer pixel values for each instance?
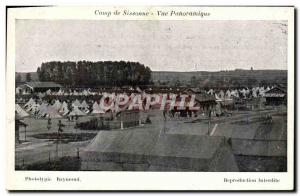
(60, 125)
(49, 123)
(148, 121)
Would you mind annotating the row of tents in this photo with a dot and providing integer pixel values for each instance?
(80, 108)
(57, 109)
(69, 92)
(240, 93)
(243, 92)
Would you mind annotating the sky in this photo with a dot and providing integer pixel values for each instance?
(160, 45)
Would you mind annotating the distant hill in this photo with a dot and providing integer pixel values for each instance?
(221, 78)
(218, 79)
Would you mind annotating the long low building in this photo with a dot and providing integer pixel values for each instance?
(40, 86)
(276, 96)
(131, 150)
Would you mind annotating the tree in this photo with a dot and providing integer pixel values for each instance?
(193, 81)
(91, 74)
(177, 83)
(18, 79)
(28, 77)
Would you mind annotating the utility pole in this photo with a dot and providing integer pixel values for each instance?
(208, 127)
(76, 122)
(57, 144)
(165, 118)
(25, 133)
(209, 118)
(60, 125)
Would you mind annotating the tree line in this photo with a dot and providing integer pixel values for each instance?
(19, 80)
(93, 74)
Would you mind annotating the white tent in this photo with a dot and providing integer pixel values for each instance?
(75, 93)
(42, 109)
(64, 109)
(211, 92)
(247, 92)
(34, 108)
(18, 90)
(85, 107)
(41, 95)
(160, 151)
(60, 92)
(57, 105)
(89, 92)
(228, 95)
(48, 92)
(29, 103)
(85, 92)
(84, 104)
(51, 113)
(222, 95)
(261, 91)
(20, 112)
(243, 92)
(138, 89)
(76, 103)
(76, 112)
(217, 98)
(235, 93)
(254, 93)
(97, 109)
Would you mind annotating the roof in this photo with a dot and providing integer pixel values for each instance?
(43, 85)
(275, 92)
(200, 95)
(191, 146)
(204, 97)
(151, 143)
(153, 151)
(194, 90)
(130, 142)
(21, 86)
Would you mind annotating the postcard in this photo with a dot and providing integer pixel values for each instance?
(150, 98)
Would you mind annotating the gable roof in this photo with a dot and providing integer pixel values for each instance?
(152, 143)
(194, 90)
(275, 92)
(154, 151)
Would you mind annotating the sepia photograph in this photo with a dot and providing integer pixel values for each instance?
(151, 95)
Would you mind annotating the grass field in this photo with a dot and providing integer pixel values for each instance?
(41, 141)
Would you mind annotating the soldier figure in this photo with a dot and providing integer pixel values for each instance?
(60, 125)
(49, 124)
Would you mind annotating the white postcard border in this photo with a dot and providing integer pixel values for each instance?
(145, 180)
